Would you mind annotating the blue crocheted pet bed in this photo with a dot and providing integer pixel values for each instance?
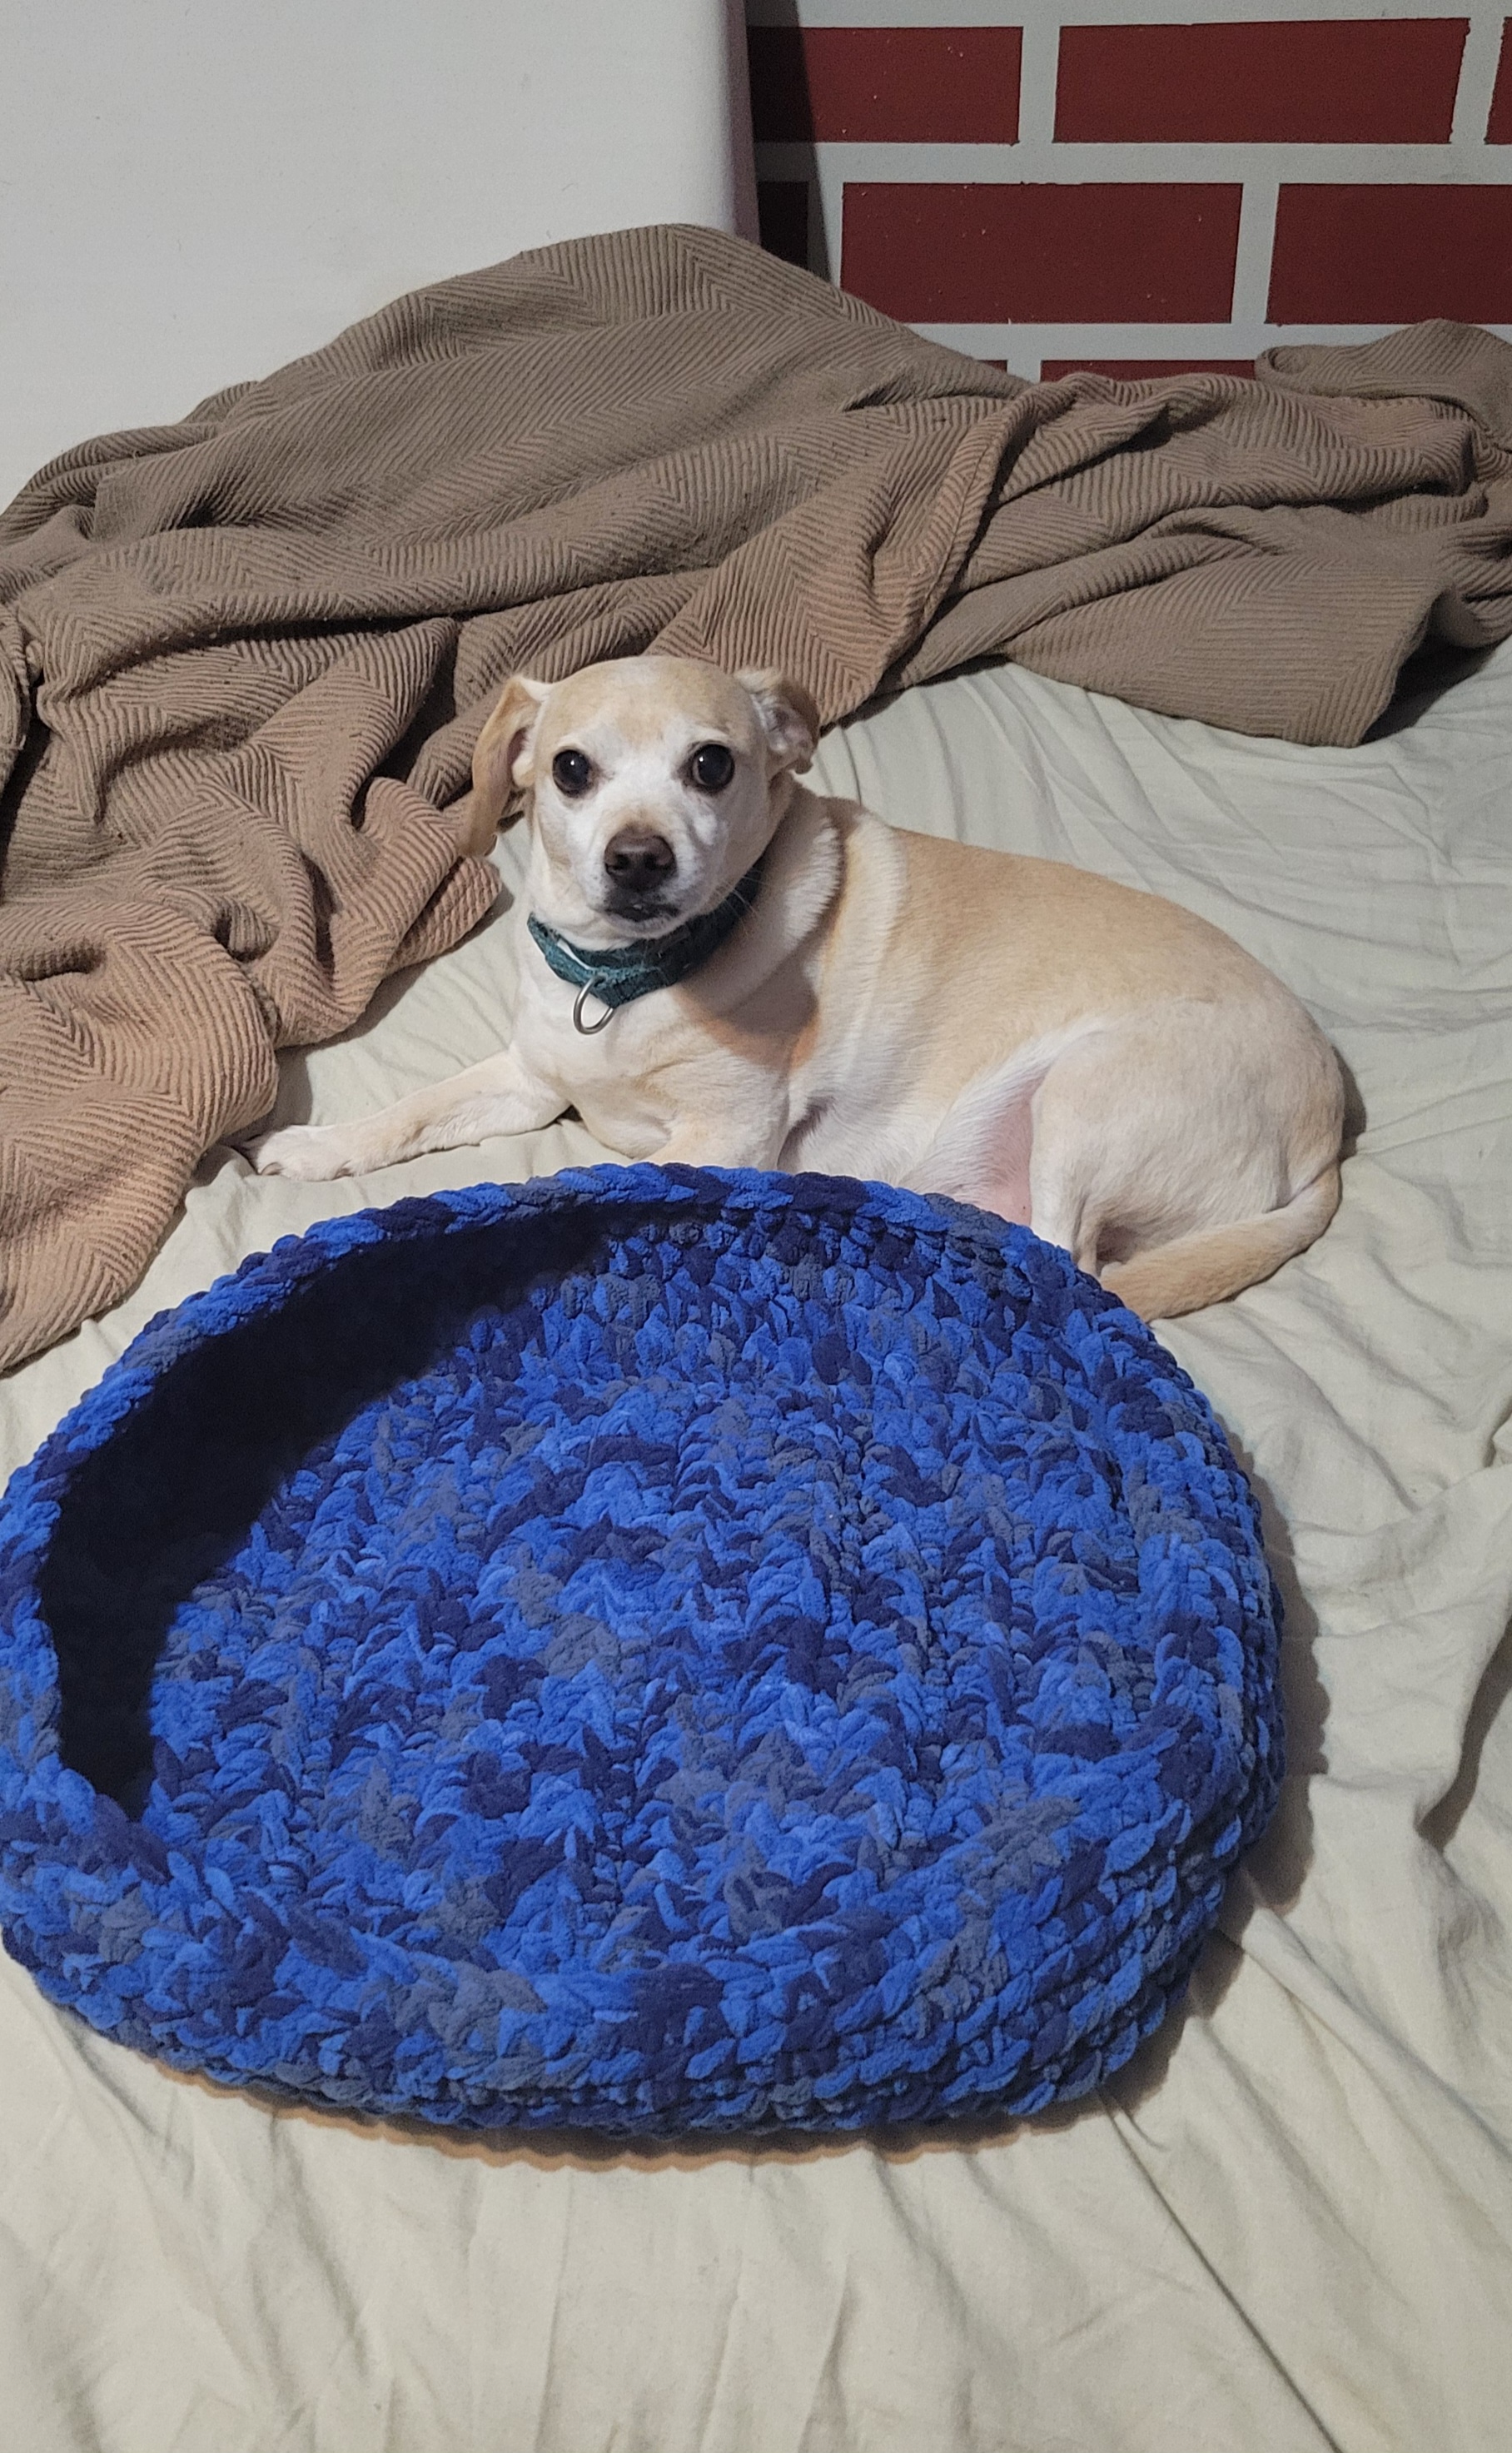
(645, 1648)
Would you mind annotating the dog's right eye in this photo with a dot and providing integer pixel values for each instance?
(571, 772)
(711, 767)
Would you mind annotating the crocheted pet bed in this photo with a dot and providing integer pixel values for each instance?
(647, 1648)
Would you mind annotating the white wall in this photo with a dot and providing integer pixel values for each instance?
(192, 192)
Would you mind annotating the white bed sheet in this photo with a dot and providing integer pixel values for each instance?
(1288, 2225)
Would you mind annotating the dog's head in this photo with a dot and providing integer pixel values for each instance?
(652, 785)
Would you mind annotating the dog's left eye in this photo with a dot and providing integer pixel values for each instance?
(571, 773)
(711, 767)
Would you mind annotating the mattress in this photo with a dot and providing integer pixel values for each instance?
(1288, 2224)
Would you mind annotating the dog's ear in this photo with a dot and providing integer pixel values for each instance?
(789, 718)
(501, 762)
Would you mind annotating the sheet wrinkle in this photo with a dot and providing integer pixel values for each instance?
(1320, 2435)
(345, 2348)
(559, 2302)
(1439, 1823)
(13, 2176)
(1279, 1951)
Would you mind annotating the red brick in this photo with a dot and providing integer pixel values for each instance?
(1094, 254)
(1361, 81)
(1135, 369)
(1498, 127)
(1392, 255)
(782, 211)
(885, 85)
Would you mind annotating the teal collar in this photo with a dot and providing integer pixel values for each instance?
(616, 975)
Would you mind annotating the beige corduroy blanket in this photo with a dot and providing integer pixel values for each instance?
(242, 660)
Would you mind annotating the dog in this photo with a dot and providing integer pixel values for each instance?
(719, 967)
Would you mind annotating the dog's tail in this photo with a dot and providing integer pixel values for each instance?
(1221, 1261)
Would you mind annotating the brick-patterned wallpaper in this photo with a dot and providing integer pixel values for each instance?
(1141, 184)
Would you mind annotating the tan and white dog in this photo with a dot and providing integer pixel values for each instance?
(1088, 1059)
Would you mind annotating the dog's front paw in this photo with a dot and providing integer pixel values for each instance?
(310, 1153)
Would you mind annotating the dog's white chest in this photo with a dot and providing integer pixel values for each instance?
(613, 1075)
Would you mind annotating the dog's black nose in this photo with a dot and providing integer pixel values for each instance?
(640, 862)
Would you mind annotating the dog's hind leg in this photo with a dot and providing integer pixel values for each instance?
(1180, 1155)
(1187, 1153)
(982, 1148)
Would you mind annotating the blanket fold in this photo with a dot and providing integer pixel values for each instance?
(243, 660)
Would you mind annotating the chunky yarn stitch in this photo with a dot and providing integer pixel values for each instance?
(650, 1649)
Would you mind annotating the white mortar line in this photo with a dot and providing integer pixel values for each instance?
(1256, 238)
(1482, 48)
(1037, 75)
